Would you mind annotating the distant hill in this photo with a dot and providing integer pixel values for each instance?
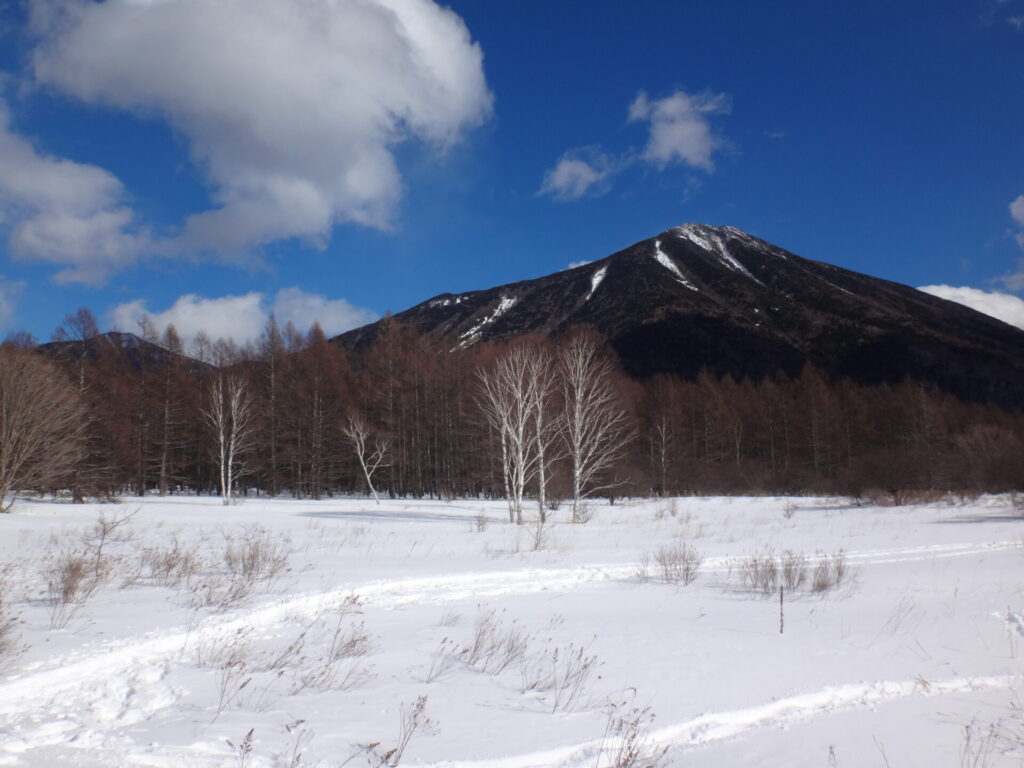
(138, 352)
(708, 297)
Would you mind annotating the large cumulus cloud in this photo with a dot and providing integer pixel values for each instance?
(292, 108)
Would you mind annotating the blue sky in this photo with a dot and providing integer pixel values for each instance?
(334, 159)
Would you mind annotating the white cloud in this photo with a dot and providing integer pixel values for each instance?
(291, 108)
(243, 318)
(64, 212)
(580, 263)
(680, 132)
(680, 127)
(575, 176)
(9, 293)
(231, 317)
(1017, 214)
(335, 316)
(1014, 281)
(1002, 306)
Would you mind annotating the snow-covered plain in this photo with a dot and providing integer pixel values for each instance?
(921, 640)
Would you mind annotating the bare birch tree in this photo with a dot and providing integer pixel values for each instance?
(509, 394)
(42, 425)
(595, 431)
(542, 377)
(370, 457)
(230, 415)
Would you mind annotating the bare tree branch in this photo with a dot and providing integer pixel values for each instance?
(596, 431)
(370, 458)
(510, 394)
(230, 415)
(41, 425)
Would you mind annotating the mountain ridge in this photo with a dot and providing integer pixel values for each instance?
(699, 297)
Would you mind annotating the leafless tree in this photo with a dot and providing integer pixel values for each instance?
(497, 405)
(542, 376)
(79, 328)
(506, 401)
(170, 419)
(508, 395)
(272, 351)
(662, 440)
(20, 339)
(596, 430)
(230, 416)
(201, 347)
(41, 425)
(370, 457)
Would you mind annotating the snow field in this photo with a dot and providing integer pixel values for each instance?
(380, 605)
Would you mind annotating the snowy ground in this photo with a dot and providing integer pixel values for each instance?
(172, 656)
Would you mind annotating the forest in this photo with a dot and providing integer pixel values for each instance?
(299, 415)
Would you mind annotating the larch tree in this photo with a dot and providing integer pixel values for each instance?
(79, 329)
(201, 348)
(596, 430)
(317, 389)
(273, 353)
(174, 384)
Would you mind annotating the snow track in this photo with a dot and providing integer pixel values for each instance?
(93, 692)
(720, 726)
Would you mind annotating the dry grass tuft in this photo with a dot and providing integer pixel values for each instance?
(10, 648)
(765, 573)
(678, 563)
(626, 739)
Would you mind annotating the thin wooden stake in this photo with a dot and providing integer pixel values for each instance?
(782, 617)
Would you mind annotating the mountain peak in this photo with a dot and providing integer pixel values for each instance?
(700, 297)
(716, 238)
(698, 230)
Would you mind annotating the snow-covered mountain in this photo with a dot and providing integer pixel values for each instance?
(715, 297)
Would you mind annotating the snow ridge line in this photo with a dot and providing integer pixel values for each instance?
(722, 726)
(47, 680)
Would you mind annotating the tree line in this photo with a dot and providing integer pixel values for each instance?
(536, 421)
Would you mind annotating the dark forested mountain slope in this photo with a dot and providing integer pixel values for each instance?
(698, 296)
(135, 351)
